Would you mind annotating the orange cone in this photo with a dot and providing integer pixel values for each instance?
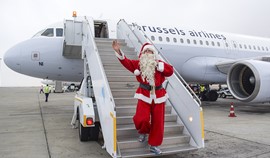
(232, 114)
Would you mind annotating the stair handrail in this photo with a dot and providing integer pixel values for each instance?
(102, 92)
(197, 134)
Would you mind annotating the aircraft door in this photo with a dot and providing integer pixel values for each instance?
(235, 48)
(231, 48)
(101, 29)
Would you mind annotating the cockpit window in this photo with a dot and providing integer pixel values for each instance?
(48, 32)
(59, 32)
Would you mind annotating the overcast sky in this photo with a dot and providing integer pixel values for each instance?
(21, 19)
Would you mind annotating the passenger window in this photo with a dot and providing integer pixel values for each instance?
(188, 41)
(227, 45)
(207, 43)
(213, 43)
(245, 46)
(249, 46)
(175, 40)
(218, 44)
(153, 38)
(181, 40)
(167, 39)
(201, 42)
(194, 41)
(266, 48)
(258, 48)
(254, 47)
(240, 46)
(234, 45)
(262, 48)
(160, 38)
(48, 32)
(59, 32)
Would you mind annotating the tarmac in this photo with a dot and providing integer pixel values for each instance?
(31, 127)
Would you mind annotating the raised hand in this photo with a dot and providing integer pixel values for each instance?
(116, 47)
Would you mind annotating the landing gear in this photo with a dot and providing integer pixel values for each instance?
(212, 95)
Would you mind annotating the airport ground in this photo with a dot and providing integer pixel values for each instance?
(32, 128)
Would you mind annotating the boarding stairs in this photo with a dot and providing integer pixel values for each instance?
(123, 85)
(114, 88)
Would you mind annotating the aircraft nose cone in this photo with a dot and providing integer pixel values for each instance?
(12, 59)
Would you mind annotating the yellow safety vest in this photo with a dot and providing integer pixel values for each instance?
(46, 89)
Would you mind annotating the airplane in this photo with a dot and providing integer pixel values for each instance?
(207, 57)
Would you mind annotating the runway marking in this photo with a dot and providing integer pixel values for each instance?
(44, 129)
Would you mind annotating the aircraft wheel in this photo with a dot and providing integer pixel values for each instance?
(212, 95)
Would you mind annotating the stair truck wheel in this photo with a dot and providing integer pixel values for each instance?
(83, 132)
(89, 133)
(94, 132)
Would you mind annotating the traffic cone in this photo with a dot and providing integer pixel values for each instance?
(232, 114)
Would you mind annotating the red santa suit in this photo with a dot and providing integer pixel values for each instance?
(149, 103)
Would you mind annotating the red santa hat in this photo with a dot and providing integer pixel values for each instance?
(148, 46)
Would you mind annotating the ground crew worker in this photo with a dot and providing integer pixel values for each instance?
(41, 89)
(46, 92)
(202, 88)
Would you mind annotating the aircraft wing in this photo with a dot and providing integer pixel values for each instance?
(224, 66)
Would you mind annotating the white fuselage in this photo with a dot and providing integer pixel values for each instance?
(193, 53)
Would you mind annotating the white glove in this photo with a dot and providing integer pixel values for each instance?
(160, 66)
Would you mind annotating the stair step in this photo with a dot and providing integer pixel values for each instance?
(130, 110)
(123, 93)
(114, 57)
(120, 120)
(118, 73)
(122, 101)
(169, 127)
(121, 78)
(108, 48)
(123, 85)
(168, 150)
(115, 66)
(106, 59)
(108, 52)
(169, 139)
(108, 40)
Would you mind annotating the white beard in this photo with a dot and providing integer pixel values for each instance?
(148, 66)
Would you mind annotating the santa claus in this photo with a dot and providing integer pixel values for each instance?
(150, 73)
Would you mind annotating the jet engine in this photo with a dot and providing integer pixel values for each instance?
(249, 81)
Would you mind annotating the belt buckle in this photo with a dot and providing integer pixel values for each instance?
(152, 89)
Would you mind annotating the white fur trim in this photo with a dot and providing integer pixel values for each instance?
(143, 98)
(160, 67)
(137, 72)
(150, 47)
(162, 99)
(121, 57)
(152, 97)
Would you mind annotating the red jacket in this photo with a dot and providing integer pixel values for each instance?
(143, 94)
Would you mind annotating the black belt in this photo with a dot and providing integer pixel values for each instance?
(148, 87)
